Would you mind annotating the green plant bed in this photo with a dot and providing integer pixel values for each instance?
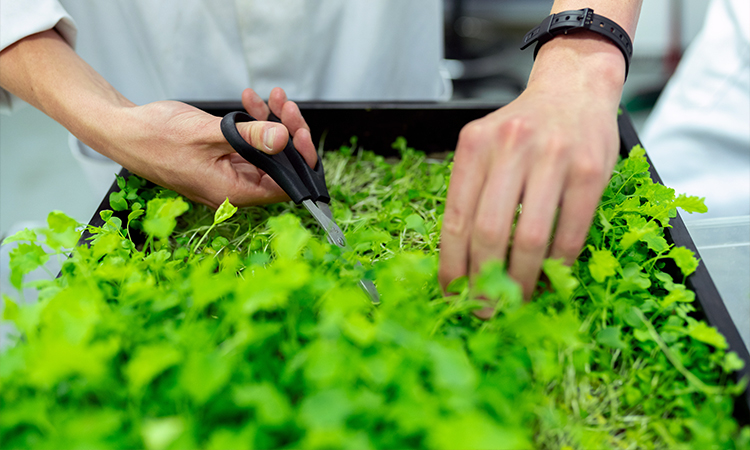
(183, 328)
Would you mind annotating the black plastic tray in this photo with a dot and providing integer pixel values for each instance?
(434, 128)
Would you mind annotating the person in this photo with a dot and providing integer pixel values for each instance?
(553, 148)
(698, 134)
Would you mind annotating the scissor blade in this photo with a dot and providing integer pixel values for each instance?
(369, 288)
(322, 214)
(335, 235)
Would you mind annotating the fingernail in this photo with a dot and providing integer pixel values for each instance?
(268, 136)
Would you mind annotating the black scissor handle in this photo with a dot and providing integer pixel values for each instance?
(314, 179)
(287, 168)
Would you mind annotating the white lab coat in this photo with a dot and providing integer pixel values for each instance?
(213, 49)
(698, 135)
(331, 50)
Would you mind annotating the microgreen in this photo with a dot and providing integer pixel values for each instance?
(246, 329)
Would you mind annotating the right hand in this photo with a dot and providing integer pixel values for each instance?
(182, 148)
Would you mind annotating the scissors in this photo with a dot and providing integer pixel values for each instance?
(290, 171)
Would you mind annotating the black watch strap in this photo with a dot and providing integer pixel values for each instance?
(582, 19)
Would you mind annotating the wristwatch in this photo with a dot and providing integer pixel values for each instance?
(577, 20)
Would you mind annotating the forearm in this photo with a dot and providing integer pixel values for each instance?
(43, 70)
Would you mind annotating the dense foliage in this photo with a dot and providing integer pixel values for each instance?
(180, 328)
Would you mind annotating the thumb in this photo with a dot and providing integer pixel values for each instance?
(268, 137)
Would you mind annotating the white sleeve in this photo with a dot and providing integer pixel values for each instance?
(22, 18)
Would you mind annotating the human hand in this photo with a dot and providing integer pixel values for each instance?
(170, 143)
(182, 148)
(551, 150)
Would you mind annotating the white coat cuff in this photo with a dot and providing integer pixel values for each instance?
(22, 18)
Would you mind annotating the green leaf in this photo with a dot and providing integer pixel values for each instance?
(203, 375)
(10, 309)
(458, 285)
(148, 362)
(326, 409)
(560, 276)
(219, 242)
(135, 214)
(290, 237)
(639, 230)
(732, 362)
(416, 222)
(633, 278)
(117, 201)
(610, 337)
(367, 238)
(452, 369)
(63, 231)
(161, 215)
(23, 235)
(24, 258)
(271, 406)
(494, 283)
(224, 438)
(225, 211)
(691, 204)
(704, 333)
(602, 264)
(159, 434)
(685, 259)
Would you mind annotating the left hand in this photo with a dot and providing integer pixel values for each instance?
(551, 150)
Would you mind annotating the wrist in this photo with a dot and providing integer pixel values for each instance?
(580, 61)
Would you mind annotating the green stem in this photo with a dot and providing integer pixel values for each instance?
(198, 245)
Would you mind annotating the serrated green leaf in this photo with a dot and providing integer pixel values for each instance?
(691, 204)
(685, 259)
(602, 264)
(25, 258)
(704, 333)
(62, 232)
(561, 276)
(23, 235)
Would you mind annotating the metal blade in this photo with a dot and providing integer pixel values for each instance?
(322, 214)
(335, 235)
(369, 288)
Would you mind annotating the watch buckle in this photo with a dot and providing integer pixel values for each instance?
(587, 17)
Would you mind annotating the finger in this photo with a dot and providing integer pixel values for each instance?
(496, 211)
(276, 101)
(304, 145)
(292, 118)
(254, 105)
(579, 202)
(269, 137)
(530, 240)
(467, 180)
